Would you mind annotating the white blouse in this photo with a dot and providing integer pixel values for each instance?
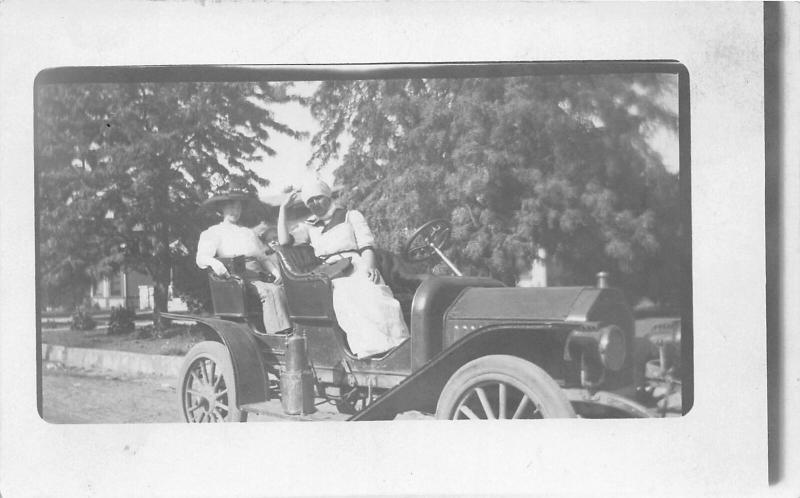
(351, 235)
(226, 240)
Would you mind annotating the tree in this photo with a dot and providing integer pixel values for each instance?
(122, 170)
(517, 164)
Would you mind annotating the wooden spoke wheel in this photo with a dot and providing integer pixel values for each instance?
(502, 387)
(208, 390)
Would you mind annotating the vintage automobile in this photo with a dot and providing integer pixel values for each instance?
(477, 349)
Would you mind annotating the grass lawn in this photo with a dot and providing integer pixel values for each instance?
(177, 341)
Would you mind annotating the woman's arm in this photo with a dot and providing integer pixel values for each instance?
(365, 241)
(370, 263)
(206, 250)
(284, 237)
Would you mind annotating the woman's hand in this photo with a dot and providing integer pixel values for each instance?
(219, 268)
(290, 199)
(369, 261)
(272, 269)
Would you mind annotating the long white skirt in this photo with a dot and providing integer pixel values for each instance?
(368, 313)
(273, 302)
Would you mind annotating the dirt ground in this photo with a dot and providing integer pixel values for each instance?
(73, 396)
(77, 397)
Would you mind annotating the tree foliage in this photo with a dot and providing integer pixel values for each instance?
(560, 163)
(122, 170)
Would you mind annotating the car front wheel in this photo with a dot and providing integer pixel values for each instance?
(207, 387)
(502, 387)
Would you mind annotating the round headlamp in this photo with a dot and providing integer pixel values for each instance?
(611, 347)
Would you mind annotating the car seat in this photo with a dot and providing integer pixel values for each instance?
(308, 294)
(232, 297)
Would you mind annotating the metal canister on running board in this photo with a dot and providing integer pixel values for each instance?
(297, 381)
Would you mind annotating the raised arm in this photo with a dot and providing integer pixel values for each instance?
(284, 237)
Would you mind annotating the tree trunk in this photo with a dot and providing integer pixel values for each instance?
(161, 291)
(163, 263)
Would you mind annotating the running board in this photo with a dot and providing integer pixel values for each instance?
(274, 409)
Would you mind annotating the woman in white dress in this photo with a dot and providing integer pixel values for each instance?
(227, 239)
(365, 307)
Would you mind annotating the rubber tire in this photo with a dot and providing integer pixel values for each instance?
(539, 385)
(219, 354)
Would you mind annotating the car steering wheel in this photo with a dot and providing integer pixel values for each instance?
(420, 247)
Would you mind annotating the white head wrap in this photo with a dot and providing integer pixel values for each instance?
(314, 188)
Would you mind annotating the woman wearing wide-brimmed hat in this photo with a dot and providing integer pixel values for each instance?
(365, 308)
(227, 239)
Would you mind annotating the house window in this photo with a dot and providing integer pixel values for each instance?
(115, 285)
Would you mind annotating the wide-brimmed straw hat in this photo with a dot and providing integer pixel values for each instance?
(234, 191)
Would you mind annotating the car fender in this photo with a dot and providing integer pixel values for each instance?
(431, 301)
(420, 391)
(252, 384)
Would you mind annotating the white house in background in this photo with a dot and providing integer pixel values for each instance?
(119, 289)
(129, 289)
(537, 276)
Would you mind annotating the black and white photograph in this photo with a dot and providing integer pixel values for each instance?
(397, 248)
(458, 242)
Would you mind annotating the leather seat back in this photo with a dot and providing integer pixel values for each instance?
(298, 260)
(231, 297)
(309, 296)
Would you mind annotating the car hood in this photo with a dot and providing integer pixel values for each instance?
(559, 304)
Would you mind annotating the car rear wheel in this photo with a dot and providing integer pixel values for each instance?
(502, 387)
(207, 389)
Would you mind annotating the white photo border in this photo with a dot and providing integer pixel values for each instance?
(719, 447)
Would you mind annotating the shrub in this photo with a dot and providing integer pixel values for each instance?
(82, 320)
(121, 321)
(194, 304)
(198, 332)
(179, 349)
(173, 331)
(145, 332)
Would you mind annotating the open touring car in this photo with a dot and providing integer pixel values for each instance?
(477, 349)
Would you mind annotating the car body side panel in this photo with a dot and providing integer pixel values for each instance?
(431, 300)
(327, 348)
(252, 384)
(420, 391)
